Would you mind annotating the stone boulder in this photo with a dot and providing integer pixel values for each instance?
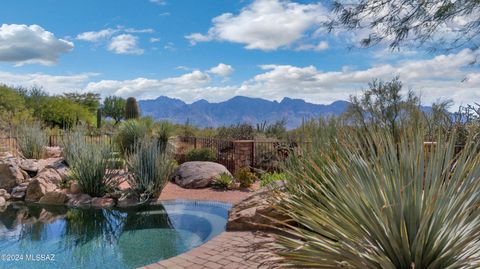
(3, 202)
(79, 199)
(46, 180)
(18, 192)
(10, 174)
(193, 175)
(253, 213)
(53, 198)
(32, 166)
(103, 202)
(53, 152)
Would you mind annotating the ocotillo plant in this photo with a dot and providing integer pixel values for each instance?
(131, 109)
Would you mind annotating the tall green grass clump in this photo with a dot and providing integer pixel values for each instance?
(372, 201)
(204, 155)
(90, 166)
(31, 140)
(151, 168)
(131, 131)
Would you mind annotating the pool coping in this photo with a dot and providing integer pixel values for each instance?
(229, 250)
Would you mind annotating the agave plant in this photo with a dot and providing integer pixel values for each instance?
(368, 202)
(131, 131)
(151, 168)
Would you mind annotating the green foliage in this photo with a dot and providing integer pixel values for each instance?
(368, 200)
(132, 111)
(13, 109)
(267, 178)
(99, 118)
(163, 131)
(277, 129)
(114, 107)
(204, 154)
(151, 168)
(223, 181)
(236, 132)
(31, 140)
(90, 167)
(130, 132)
(245, 177)
(89, 100)
(383, 106)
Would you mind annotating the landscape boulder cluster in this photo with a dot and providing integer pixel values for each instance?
(39, 181)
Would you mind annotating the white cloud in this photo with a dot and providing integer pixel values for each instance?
(223, 70)
(151, 88)
(154, 39)
(125, 44)
(139, 31)
(265, 24)
(53, 84)
(95, 36)
(23, 44)
(159, 2)
(322, 45)
(443, 76)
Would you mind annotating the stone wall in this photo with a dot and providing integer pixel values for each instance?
(243, 153)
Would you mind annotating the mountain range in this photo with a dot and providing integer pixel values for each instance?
(238, 109)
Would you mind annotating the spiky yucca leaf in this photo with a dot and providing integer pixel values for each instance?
(366, 202)
(31, 140)
(151, 168)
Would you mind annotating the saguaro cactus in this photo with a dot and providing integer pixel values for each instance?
(131, 109)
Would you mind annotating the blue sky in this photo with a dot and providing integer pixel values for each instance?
(212, 50)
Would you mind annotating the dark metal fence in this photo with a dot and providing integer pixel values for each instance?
(223, 149)
(10, 143)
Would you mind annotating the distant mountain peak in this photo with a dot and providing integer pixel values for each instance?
(238, 109)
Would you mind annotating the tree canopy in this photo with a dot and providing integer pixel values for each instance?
(446, 24)
(114, 107)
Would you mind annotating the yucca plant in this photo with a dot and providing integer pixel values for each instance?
(90, 167)
(223, 181)
(73, 143)
(369, 202)
(31, 140)
(129, 132)
(151, 168)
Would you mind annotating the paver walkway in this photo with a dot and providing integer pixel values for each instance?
(229, 250)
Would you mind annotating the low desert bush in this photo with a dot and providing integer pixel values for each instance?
(245, 177)
(268, 178)
(204, 154)
(223, 181)
(151, 168)
(31, 140)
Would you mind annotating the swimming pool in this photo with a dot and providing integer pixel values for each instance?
(34, 236)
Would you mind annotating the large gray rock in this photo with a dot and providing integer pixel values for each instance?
(33, 165)
(10, 174)
(3, 202)
(193, 175)
(253, 213)
(46, 180)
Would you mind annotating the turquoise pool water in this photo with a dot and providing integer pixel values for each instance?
(34, 236)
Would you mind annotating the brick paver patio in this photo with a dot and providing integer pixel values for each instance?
(229, 250)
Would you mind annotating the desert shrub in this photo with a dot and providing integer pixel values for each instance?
(129, 132)
(268, 178)
(90, 167)
(223, 181)
(72, 144)
(31, 140)
(204, 154)
(245, 177)
(151, 168)
(163, 131)
(372, 201)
